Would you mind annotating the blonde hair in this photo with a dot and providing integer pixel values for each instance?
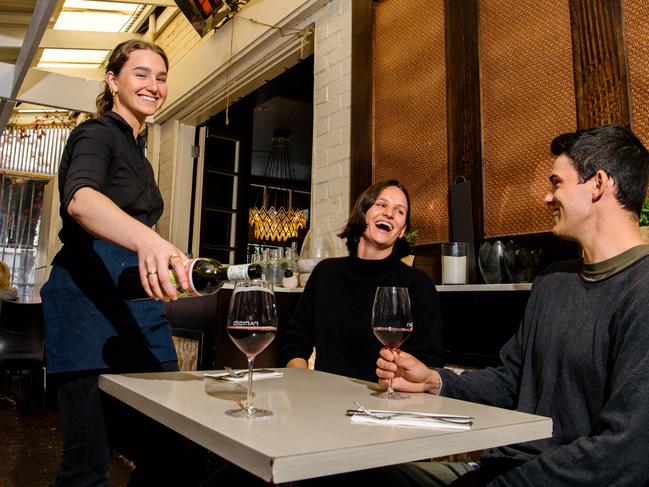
(116, 62)
(5, 275)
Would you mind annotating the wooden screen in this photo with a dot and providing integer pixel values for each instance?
(528, 98)
(410, 142)
(636, 33)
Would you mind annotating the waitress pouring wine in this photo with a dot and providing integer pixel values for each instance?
(109, 204)
(334, 313)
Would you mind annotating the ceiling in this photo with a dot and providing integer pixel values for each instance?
(51, 51)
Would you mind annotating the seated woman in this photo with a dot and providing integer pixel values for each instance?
(335, 309)
(7, 291)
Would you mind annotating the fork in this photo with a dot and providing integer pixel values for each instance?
(386, 415)
(240, 375)
(372, 414)
(233, 373)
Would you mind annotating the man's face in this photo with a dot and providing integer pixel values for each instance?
(569, 201)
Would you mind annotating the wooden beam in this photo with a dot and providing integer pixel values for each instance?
(157, 3)
(77, 39)
(12, 37)
(599, 63)
(37, 25)
(463, 102)
(49, 89)
(361, 98)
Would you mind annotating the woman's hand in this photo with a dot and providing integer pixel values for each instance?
(92, 209)
(407, 373)
(156, 257)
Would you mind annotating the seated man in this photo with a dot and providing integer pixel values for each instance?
(581, 355)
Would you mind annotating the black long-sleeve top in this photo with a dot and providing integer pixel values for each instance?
(334, 316)
(581, 357)
(102, 154)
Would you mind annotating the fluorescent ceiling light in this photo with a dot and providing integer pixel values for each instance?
(93, 16)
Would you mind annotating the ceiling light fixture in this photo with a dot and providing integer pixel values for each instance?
(275, 218)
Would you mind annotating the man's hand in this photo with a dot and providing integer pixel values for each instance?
(407, 373)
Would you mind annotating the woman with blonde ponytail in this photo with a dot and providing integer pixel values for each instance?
(109, 204)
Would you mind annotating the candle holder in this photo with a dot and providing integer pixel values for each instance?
(454, 263)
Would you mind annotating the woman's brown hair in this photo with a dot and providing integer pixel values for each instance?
(356, 224)
(116, 62)
(5, 275)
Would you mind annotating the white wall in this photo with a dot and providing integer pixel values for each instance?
(332, 117)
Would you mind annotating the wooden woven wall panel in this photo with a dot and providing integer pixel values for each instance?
(410, 142)
(528, 98)
(636, 32)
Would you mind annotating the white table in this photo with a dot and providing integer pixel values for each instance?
(309, 434)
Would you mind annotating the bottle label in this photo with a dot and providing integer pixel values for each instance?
(238, 272)
(184, 293)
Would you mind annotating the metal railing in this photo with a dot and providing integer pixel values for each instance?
(32, 151)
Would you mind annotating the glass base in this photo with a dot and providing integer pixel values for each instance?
(254, 413)
(394, 396)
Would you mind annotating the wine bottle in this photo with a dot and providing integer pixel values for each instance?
(205, 276)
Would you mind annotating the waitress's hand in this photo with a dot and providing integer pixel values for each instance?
(407, 373)
(155, 257)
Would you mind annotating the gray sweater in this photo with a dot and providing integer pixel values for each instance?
(581, 357)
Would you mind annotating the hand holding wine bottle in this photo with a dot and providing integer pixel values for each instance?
(203, 276)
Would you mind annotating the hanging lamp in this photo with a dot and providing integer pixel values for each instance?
(274, 217)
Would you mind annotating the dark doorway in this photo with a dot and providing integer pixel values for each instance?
(236, 157)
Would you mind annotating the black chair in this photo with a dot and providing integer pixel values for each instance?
(21, 343)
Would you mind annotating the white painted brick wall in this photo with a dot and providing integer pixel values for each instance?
(332, 116)
(177, 39)
(165, 176)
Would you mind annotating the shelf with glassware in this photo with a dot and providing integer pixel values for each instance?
(441, 288)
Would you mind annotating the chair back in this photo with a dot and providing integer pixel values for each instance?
(21, 333)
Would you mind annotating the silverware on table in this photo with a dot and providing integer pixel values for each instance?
(240, 375)
(380, 414)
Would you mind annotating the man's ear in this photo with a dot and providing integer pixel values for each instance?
(603, 183)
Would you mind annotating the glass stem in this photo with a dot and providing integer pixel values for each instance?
(390, 391)
(249, 407)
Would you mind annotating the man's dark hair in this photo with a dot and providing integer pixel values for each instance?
(616, 151)
(356, 224)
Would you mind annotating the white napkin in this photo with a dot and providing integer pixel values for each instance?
(257, 375)
(412, 422)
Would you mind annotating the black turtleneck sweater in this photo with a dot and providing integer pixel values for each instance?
(334, 316)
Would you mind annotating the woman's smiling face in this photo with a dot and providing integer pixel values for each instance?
(386, 222)
(141, 85)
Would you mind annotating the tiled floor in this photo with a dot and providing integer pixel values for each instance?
(30, 448)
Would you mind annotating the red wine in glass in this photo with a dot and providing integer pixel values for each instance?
(391, 323)
(251, 340)
(252, 324)
(392, 337)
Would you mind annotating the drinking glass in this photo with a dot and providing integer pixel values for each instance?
(392, 324)
(252, 324)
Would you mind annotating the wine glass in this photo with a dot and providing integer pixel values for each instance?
(392, 324)
(252, 324)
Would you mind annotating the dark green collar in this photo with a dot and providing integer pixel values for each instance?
(606, 268)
